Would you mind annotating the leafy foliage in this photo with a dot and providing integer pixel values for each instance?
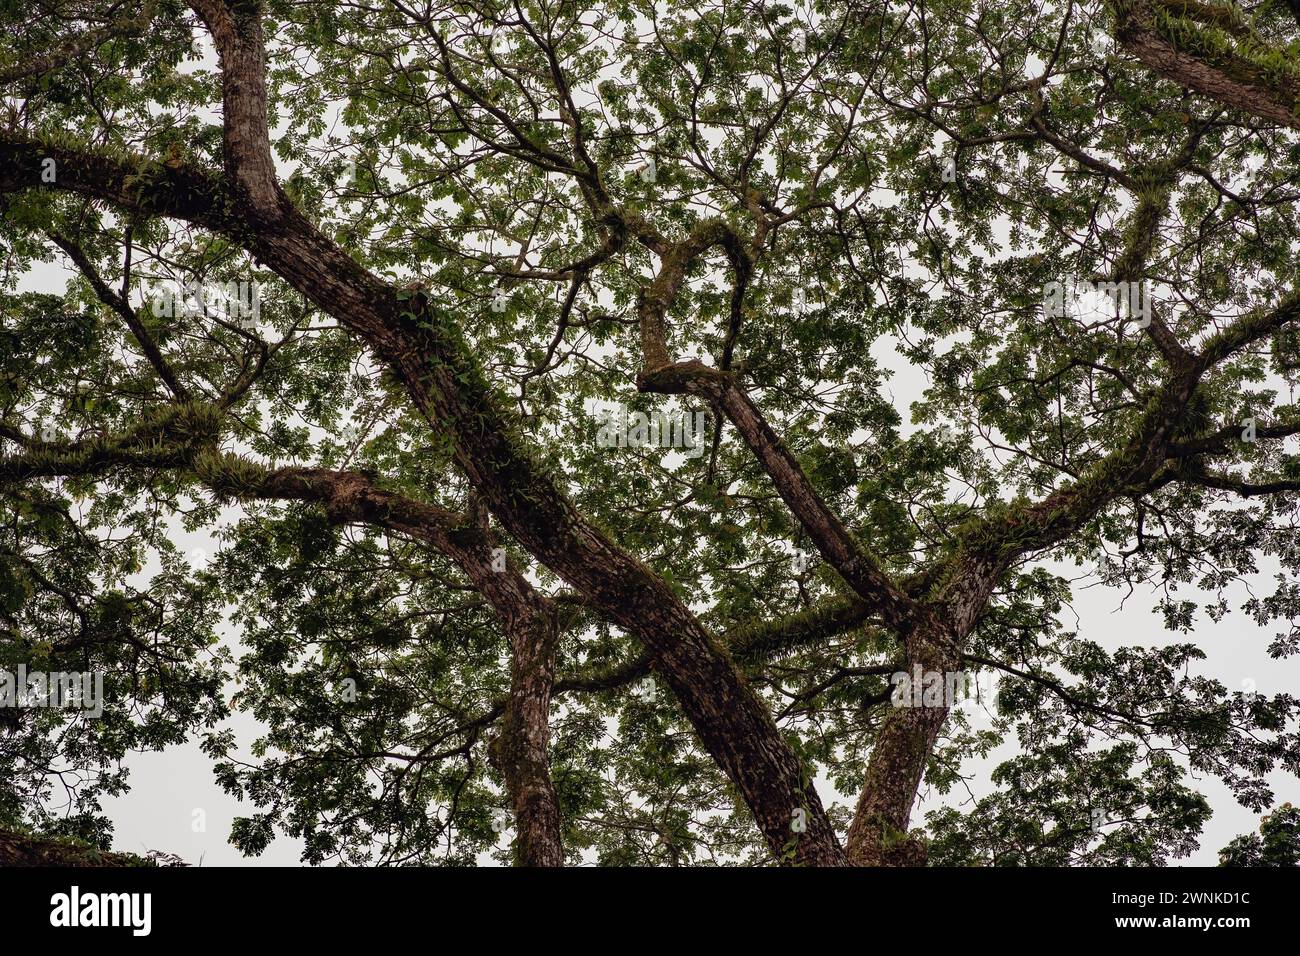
(417, 137)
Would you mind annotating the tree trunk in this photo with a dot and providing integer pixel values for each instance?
(878, 835)
(521, 750)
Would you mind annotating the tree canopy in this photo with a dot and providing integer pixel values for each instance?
(532, 363)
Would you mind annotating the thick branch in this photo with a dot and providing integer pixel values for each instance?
(236, 29)
(1231, 80)
(528, 619)
(837, 545)
(182, 438)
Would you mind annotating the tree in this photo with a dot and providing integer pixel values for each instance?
(1276, 844)
(356, 282)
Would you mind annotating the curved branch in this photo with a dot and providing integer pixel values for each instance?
(1230, 79)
